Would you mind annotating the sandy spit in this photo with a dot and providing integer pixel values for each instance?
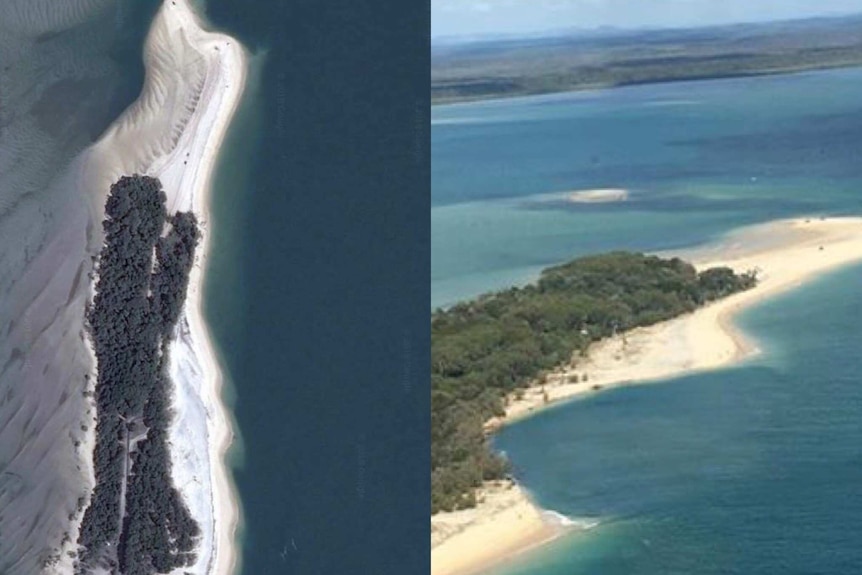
(193, 85)
(784, 253)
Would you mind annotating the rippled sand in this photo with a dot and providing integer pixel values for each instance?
(58, 91)
(57, 87)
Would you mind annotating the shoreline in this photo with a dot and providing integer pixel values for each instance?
(193, 84)
(702, 340)
(506, 517)
(601, 87)
(224, 498)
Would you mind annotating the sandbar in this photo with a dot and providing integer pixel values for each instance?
(597, 196)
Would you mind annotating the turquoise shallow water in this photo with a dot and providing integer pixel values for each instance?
(749, 470)
(699, 158)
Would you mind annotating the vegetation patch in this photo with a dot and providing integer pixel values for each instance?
(137, 522)
(485, 349)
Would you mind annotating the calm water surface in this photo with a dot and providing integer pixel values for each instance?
(749, 470)
(699, 159)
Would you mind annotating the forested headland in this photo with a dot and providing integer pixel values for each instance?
(136, 522)
(483, 350)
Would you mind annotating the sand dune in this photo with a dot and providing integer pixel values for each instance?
(785, 254)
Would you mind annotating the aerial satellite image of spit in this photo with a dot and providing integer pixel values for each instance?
(460, 287)
(104, 245)
(211, 353)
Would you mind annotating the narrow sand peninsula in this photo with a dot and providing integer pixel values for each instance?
(784, 253)
(194, 81)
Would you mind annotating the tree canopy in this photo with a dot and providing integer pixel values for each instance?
(486, 348)
(137, 521)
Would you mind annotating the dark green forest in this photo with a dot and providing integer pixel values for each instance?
(484, 349)
(136, 522)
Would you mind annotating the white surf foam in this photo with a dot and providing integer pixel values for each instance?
(565, 521)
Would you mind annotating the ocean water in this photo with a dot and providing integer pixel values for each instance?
(753, 469)
(698, 158)
(748, 470)
(318, 262)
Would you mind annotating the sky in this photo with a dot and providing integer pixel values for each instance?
(483, 17)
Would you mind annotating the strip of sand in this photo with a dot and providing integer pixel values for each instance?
(194, 81)
(503, 524)
(784, 253)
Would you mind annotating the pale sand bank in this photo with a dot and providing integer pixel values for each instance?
(194, 81)
(785, 253)
(597, 196)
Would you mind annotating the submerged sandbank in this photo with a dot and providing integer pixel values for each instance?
(598, 196)
(784, 254)
(194, 81)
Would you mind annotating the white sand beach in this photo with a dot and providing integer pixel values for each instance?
(784, 253)
(504, 524)
(194, 81)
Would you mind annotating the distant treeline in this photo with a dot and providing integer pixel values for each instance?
(137, 522)
(502, 68)
(485, 349)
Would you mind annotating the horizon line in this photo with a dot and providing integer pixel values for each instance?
(610, 29)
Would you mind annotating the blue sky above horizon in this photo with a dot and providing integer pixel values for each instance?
(513, 17)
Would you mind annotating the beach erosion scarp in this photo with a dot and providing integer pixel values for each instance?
(783, 253)
(193, 85)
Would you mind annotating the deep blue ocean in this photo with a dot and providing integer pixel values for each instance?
(752, 470)
(317, 286)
